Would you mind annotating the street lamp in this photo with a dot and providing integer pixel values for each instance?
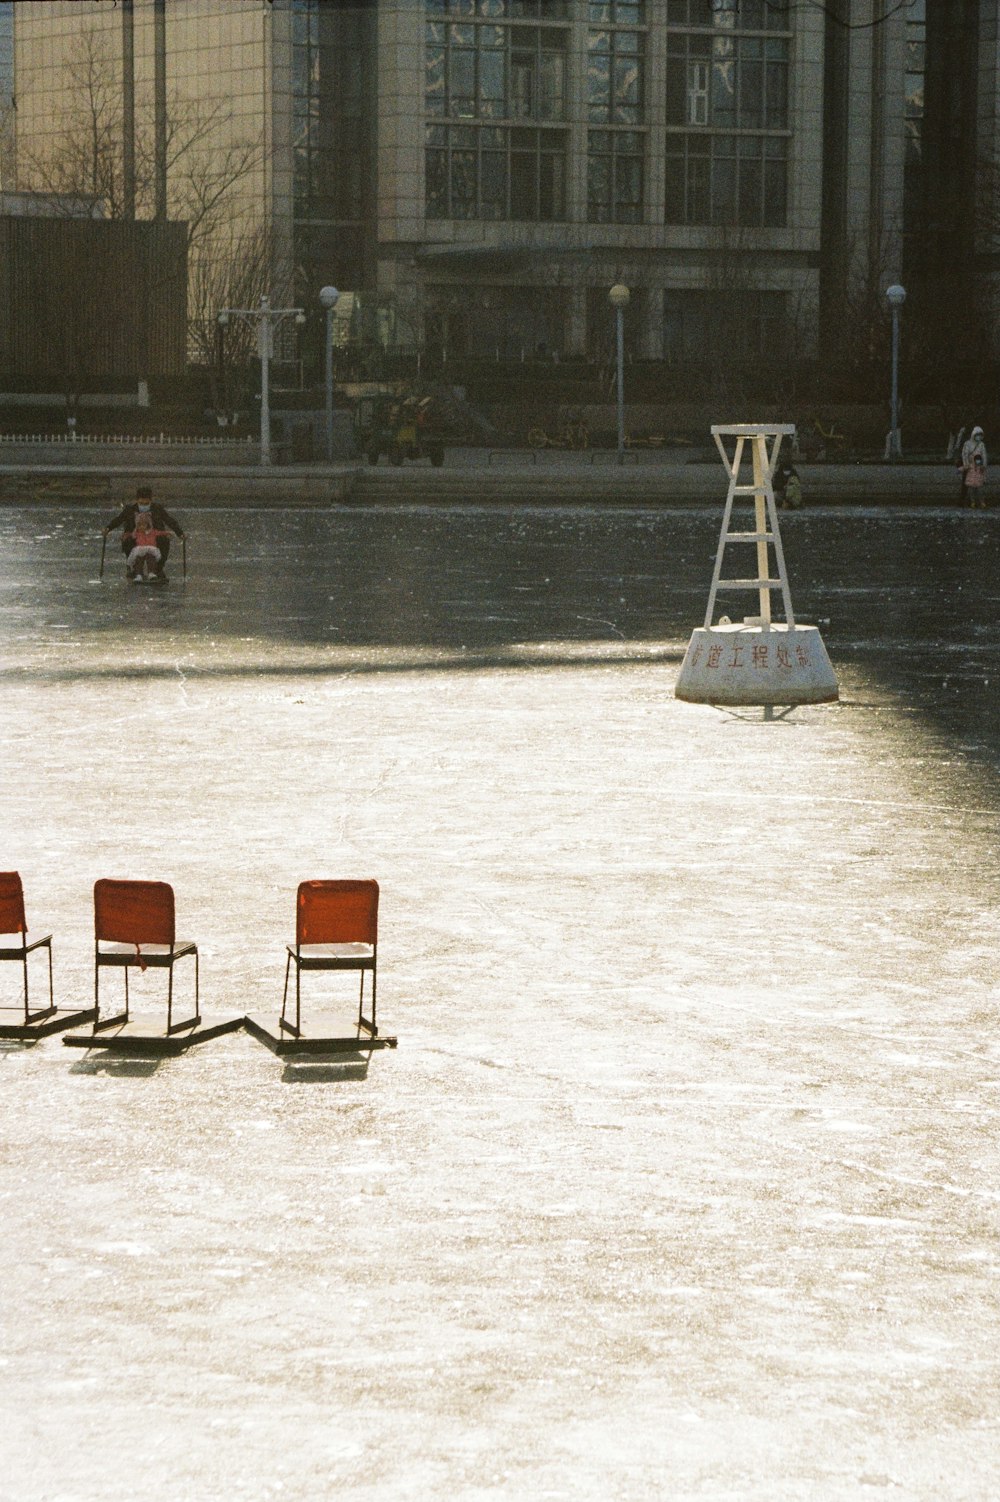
(618, 297)
(266, 319)
(329, 297)
(895, 296)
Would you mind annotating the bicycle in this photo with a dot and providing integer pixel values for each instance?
(574, 435)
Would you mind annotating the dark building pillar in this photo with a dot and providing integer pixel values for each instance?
(939, 217)
(160, 108)
(833, 226)
(128, 109)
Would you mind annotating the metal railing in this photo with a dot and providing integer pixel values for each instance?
(159, 440)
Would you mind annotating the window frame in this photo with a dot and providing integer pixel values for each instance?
(620, 151)
(712, 184)
(625, 46)
(464, 155)
(724, 170)
(542, 50)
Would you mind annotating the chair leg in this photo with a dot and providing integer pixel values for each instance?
(188, 1022)
(28, 1018)
(284, 1023)
(120, 1017)
(361, 1004)
(284, 994)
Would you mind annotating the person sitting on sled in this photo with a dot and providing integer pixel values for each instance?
(787, 485)
(163, 524)
(146, 546)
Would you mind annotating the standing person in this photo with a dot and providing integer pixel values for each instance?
(163, 524)
(974, 466)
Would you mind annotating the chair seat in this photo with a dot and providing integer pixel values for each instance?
(148, 954)
(333, 956)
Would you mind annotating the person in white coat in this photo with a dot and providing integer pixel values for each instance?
(974, 465)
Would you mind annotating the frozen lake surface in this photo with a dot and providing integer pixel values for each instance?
(682, 1182)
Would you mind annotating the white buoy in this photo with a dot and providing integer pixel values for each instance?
(758, 661)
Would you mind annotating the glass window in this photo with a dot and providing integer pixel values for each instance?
(462, 82)
(598, 85)
(522, 85)
(552, 185)
(514, 10)
(615, 76)
(599, 188)
(494, 184)
(553, 86)
(617, 12)
(727, 179)
(615, 177)
(775, 184)
(492, 84)
(523, 185)
(748, 323)
(730, 15)
(495, 173)
(463, 185)
(732, 86)
(748, 86)
(540, 10)
(434, 96)
(495, 323)
(487, 71)
(697, 91)
(332, 111)
(627, 102)
(913, 107)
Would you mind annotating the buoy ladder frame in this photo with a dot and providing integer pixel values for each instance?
(766, 532)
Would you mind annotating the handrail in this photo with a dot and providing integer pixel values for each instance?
(161, 440)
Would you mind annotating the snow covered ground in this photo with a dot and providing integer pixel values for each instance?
(682, 1182)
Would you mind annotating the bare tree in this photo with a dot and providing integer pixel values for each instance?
(8, 175)
(235, 273)
(82, 162)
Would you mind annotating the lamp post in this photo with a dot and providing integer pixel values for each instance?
(329, 297)
(895, 296)
(266, 319)
(618, 297)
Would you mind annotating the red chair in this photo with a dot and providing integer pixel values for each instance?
(12, 921)
(336, 928)
(134, 925)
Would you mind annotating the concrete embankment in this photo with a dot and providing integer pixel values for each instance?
(469, 477)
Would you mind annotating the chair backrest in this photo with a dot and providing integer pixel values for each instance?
(337, 912)
(11, 904)
(134, 912)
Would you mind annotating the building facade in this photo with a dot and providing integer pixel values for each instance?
(480, 172)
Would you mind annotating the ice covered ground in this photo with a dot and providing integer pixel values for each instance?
(683, 1180)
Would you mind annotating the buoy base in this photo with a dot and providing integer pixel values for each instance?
(753, 664)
